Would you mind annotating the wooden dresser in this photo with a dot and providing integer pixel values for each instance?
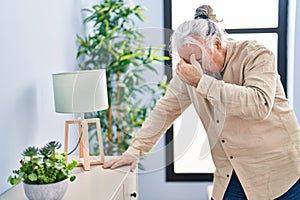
(98, 183)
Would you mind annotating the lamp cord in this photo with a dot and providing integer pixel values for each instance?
(76, 144)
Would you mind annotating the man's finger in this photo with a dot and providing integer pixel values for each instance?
(178, 68)
(133, 166)
(194, 62)
(110, 163)
(120, 162)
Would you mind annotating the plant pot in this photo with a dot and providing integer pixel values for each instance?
(52, 191)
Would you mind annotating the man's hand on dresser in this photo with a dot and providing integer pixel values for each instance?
(125, 159)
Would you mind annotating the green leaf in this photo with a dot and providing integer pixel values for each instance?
(113, 31)
(129, 56)
(32, 177)
(30, 151)
(159, 58)
(103, 10)
(88, 19)
(72, 178)
(13, 180)
(59, 166)
(72, 165)
(106, 26)
(141, 17)
(87, 10)
(150, 67)
(79, 53)
(159, 48)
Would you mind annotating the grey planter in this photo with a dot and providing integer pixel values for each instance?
(53, 191)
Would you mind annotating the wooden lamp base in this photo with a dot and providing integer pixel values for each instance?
(84, 153)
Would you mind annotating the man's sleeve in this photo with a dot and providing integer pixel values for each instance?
(253, 99)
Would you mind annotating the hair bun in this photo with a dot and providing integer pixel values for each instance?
(206, 12)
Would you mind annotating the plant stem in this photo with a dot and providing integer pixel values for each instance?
(119, 116)
(110, 129)
(53, 154)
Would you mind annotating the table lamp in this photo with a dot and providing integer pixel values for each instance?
(80, 92)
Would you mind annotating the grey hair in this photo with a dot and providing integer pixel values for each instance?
(203, 26)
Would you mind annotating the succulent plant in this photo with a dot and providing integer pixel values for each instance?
(43, 166)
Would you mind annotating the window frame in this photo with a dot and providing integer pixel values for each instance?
(281, 31)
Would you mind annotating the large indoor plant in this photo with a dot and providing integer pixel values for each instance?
(116, 44)
(44, 168)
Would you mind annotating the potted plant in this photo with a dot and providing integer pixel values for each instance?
(116, 44)
(44, 172)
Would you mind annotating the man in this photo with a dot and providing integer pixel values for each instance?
(235, 88)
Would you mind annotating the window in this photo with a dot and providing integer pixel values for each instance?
(264, 21)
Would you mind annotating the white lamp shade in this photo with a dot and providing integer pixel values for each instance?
(80, 91)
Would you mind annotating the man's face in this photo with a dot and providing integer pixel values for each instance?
(202, 53)
(186, 51)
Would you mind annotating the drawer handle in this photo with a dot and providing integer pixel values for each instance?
(133, 194)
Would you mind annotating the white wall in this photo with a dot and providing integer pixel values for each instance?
(37, 39)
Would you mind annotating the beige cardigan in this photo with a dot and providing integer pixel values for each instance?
(249, 124)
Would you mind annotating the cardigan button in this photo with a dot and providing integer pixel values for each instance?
(223, 141)
(231, 157)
